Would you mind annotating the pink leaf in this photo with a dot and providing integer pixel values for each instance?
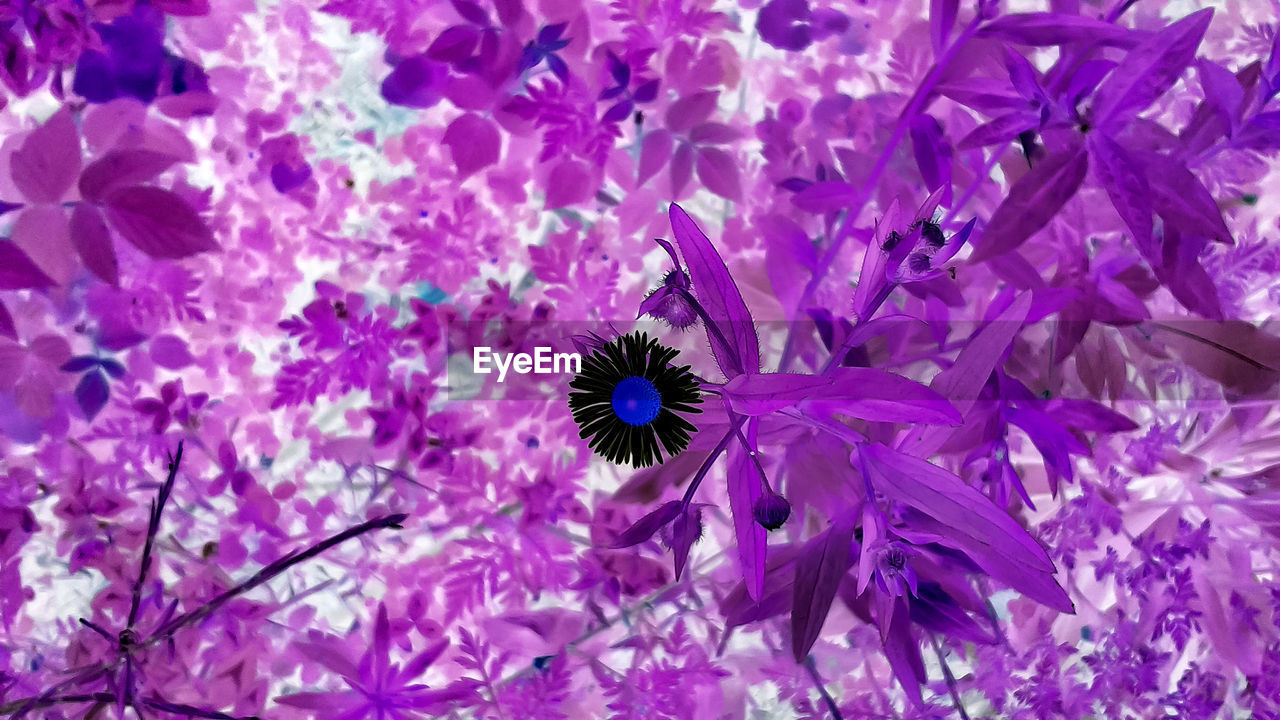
(1149, 70)
(681, 168)
(1032, 202)
(92, 239)
(474, 142)
(1043, 29)
(158, 222)
(719, 295)
(691, 110)
(569, 183)
(744, 490)
(655, 151)
(119, 168)
(719, 173)
(819, 570)
(17, 272)
(48, 161)
(42, 231)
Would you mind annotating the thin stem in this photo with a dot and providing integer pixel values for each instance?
(951, 680)
(153, 527)
(269, 572)
(712, 328)
(822, 688)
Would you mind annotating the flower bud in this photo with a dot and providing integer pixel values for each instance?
(771, 511)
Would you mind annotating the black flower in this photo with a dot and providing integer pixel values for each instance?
(629, 399)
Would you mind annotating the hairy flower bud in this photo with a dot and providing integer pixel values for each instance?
(771, 511)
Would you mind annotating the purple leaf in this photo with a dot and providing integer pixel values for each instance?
(819, 570)
(715, 289)
(655, 151)
(285, 176)
(416, 82)
(1181, 272)
(645, 527)
(1043, 29)
(7, 328)
(1223, 93)
(170, 352)
(1032, 202)
(474, 143)
(455, 44)
(713, 133)
(783, 24)
(932, 152)
(1002, 129)
(760, 394)
(558, 68)
(17, 272)
(1149, 70)
(92, 393)
(1127, 187)
(646, 92)
(691, 110)
(92, 239)
(158, 222)
(551, 33)
(686, 528)
(718, 172)
(903, 653)
(119, 168)
(46, 164)
(471, 12)
(878, 395)
(79, 364)
(825, 197)
(969, 522)
(1022, 74)
(942, 19)
(1182, 200)
(618, 112)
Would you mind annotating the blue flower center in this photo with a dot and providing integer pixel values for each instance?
(636, 401)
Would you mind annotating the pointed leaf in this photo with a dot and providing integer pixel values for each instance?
(1032, 202)
(1003, 129)
(1182, 200)
(691, 110)
(825, 197)
(119, 168)
(655, 151)
(158, 222)
(878, 395)
(47, 162)
(903, 653)
(819, 570)
(92, 239)
(681, 168)
(715, 289)
(17, 272)
(1149, 70)
(1126, 185)
(942, 19)
(569, 183)
(759, 394)
(1222, 91)
(1044, 29)
(92, 393)
(718, 172)
(645, 527)
(7, 328)
(744, 490)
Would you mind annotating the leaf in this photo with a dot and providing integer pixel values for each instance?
(92, 239)
(1182, 200)
(474, 143)
(655, 151)
(17, 272)
(759, 394)
(92, 394)
(1032, 202)
(681, 168)
(1043, 29)
(1149, 70)
(569, 183)
(1126, 185)
(454, 44)
(46, 164)
(158, 222)
(691, 110)
(183, 8)
(819, 570)
(7, 328)
(881, 396)
(42, 232)
(170, 352)
(718, 172)
(119, 168)
(1002, 129)
(969, 522)
(903, 653)
(719, 296)
(644, 528)
(1234, 353)
(942, 19)
(825, 197)
(1180, 270)
(79, 364)
(1222, 91)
